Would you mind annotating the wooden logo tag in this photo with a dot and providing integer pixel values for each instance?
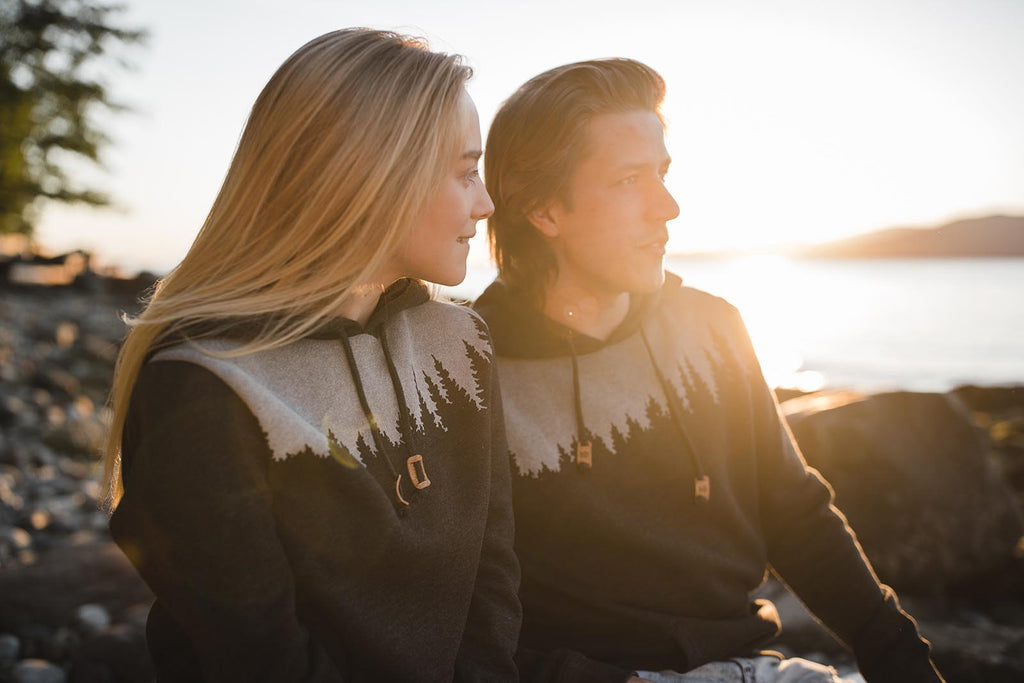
(418, 475)
(584, 454)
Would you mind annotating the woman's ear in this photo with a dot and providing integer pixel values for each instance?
(543, 218)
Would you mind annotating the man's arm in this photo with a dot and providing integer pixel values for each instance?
(814, 551)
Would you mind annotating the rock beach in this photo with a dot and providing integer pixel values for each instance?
(69, 600)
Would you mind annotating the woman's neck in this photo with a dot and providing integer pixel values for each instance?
(360, 302)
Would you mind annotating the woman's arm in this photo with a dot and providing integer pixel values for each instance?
(197, 522)
(492, 627)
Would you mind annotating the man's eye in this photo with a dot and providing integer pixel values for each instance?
(630, 179)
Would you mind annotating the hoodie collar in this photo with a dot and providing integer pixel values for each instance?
(520, 330)
(399, 296)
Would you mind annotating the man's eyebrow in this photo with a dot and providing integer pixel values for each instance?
(638, 165)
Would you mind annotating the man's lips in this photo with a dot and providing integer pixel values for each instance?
(654, 245)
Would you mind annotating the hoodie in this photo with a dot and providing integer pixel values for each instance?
(334, 510)
(655, 485)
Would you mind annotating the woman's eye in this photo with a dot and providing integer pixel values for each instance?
(472, 176)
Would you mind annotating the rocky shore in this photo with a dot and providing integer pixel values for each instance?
(932, 483)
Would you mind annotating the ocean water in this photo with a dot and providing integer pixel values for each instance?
(923, 325)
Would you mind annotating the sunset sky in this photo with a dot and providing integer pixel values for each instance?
(789, 121)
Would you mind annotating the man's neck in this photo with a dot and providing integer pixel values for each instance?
(585, 311)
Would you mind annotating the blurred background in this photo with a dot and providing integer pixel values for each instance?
(850, 175)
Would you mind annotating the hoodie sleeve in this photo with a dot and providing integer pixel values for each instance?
(196, 520)
(492, 628)
(812, 549)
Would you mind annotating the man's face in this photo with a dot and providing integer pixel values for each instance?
(609, 237)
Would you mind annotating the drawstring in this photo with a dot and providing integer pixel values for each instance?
(701, 482)
(417, 475)
(378, 440)
(584, 446)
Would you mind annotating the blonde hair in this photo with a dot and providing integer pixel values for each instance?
(340, 153)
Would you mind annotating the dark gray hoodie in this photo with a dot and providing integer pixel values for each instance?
(639, 550)
(334, 510)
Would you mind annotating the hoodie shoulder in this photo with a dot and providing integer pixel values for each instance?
(678, 299)
(453, 319)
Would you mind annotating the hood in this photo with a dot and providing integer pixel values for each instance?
(399, 296)
(520, 330)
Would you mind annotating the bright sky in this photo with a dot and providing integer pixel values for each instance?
(789, 121)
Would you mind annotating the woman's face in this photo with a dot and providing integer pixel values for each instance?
(438, 243)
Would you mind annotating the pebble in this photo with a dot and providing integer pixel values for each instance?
(57, 352)
(92, 619)
(37, 671)
(10, 648)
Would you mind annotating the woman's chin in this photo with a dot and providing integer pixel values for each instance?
(448, 279)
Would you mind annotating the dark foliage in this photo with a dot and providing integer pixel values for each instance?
(51, 85)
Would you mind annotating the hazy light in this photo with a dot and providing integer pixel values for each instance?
(791, 121)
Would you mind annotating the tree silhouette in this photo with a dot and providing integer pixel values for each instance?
(50, 89)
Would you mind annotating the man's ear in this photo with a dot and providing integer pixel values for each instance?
(543, 218)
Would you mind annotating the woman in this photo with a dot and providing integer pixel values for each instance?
(307, 459)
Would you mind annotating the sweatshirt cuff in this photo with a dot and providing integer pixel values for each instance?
(890, 649)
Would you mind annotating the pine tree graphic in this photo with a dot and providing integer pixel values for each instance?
(481, 368)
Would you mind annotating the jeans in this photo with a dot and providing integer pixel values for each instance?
(764, 669)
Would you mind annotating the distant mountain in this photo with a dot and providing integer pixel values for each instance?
(992, 236)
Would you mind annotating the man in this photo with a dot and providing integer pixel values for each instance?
(655, 483)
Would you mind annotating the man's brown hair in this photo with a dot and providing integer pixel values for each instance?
(535, 142)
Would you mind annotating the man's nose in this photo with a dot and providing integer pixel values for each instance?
(664, 206)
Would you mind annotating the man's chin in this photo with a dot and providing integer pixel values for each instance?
(649, 283)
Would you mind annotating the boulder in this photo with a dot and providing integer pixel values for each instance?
(991, 399)
(913, 476)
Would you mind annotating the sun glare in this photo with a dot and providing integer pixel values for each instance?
(760, 287)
